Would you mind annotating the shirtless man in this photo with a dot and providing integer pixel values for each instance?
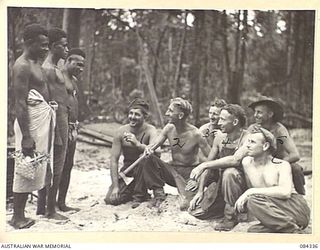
(271, 196)
(72, 69)
(210, 129)
(27, 75)
(185, 141)
(268, 114)
(130, 140)
(58, 50)
(227, 151)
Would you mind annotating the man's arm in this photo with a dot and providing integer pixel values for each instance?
(115, 155)
(290, 151)
(224, 162)
(158, 140)
(21, 76)
(282, 191)
(203, 144)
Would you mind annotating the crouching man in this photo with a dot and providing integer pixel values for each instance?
(271, 196)
(185, 141)
(130, 140)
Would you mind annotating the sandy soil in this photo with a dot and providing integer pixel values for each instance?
(89, 184)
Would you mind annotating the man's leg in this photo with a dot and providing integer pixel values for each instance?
(41, 202)
(298, 178)
(125, 193)
(19, 221)
(155, 174)
(233, 185)
(279, 215)
(58, 156)
(65, 178)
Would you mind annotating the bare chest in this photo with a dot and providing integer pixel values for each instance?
(184, 143)
(37, 80)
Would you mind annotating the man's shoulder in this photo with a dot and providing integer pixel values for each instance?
(279, 130)
(21, 64)
(149, 127)
(246, 161)
(204, 126)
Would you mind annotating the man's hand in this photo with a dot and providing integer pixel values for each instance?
(192, 185)
(196, 200)
(28, 145)
(129, 137)
(197, 171)
(148, 151)
(240, 203)
(114, 197)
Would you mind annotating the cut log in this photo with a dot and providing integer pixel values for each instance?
(93, 141)
(96, 134)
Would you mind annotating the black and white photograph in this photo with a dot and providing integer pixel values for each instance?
(160, 120)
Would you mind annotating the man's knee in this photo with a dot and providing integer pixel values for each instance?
(230, 175)
(254, 202)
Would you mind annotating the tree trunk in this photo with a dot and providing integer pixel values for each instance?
(71, 24)
(179, 59)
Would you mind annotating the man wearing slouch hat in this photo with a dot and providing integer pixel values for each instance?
(268, 113)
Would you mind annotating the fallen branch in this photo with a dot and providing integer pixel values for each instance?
(96, 134)
(93, 141)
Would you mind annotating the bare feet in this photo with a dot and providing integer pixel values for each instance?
(65, 208)
(56, 216)
(21, 224)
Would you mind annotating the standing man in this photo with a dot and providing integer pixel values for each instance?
(185, 141)
(58, 50)
(210, 129)
(34, 115)
(130, 140)
(227, 151)
(271, 196)
(72, 69)
(268, 114)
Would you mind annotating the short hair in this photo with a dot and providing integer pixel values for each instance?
(76, 51)
(219, 103)
(55, 34)
(268, 136)
(238, 112)
(31, 31)
(183, 105)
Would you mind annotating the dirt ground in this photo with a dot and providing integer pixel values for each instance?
(91, 179)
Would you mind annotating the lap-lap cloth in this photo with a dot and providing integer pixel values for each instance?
(41, 126)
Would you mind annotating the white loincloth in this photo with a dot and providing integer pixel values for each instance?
(41, 125)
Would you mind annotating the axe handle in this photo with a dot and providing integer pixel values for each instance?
(132, 166)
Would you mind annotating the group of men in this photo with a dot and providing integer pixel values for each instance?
(46, 102)
(251, 170)
(238, 169)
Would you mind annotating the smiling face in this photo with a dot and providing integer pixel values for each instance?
(174, 114)
(135, 117)
(75, 65)
(262, 114)
(226, 122)
(214, 113)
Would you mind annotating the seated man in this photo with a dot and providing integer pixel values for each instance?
(271, 196)
(185, 141)
(130, 140)
(210, 129)
(226, 154)
(267, 114)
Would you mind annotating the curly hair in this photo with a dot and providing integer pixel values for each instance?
(238, 112)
